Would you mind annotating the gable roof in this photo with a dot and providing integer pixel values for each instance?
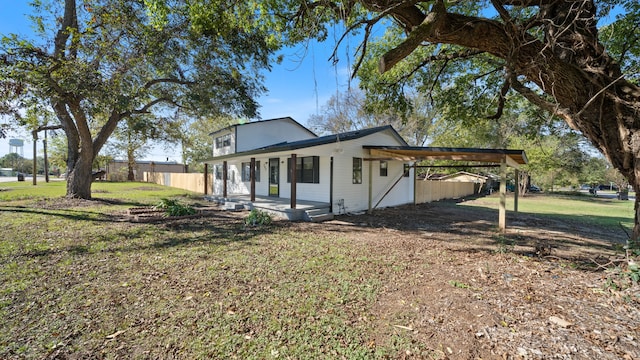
(463, 173)
(261, 122)
(317, 141)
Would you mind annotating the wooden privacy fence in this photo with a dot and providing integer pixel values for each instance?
(187, 181)
(428, 191)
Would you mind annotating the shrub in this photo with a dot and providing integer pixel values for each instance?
(258, 218)
(174, 208)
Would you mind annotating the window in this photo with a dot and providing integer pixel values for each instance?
(218, 171)
(307, 170)
(383, 168)
(246, 171)
(357, 170)
(407, 167)
(223, 141)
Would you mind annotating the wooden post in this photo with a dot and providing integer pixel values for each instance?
(35, 159)
(46, 160)
(370, 185)
(516, 192)
(206, 177)
(502, 213)
(415, 182)
(224, 179)
(294, 180)
(252, 175)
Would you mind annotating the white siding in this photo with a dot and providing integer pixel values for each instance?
(356, 196)
(226, 149)
(256, 135)
(234, 184)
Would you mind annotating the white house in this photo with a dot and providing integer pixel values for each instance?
(333, 170)
(282, 161)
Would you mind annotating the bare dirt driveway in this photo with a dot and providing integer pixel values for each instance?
(464, 291)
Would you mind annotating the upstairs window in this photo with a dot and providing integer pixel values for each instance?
(223, 141)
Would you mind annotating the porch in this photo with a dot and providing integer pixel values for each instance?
(276, 206)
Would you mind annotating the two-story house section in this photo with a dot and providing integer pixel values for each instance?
(239, 138)
(253, 135)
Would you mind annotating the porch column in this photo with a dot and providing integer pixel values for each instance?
(502, 212)
(206, 178)
(415, 182)
(252, 175)
(370, 184)
(224, 179)
(294, 180)
(516, 192)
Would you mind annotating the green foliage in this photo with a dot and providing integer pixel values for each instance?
(17, 163)
(623, 277)
(258, 218)
(505, 245)
(458, 284)
(193, 136)
(174, 208)
(110, 60)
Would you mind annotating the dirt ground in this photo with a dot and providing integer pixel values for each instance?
(464, 291)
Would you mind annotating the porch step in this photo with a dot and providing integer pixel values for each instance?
(233, 206)
(318, 215)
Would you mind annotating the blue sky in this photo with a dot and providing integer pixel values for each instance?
(298, 87)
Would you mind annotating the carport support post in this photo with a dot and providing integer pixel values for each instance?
(224, 179)
(415, 183)
(252, 175)
(206, 176)
(516, 191)
(294, 180)
(370, 185)
(502, 213)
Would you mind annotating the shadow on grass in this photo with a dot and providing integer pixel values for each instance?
(77, 215)
(214, 231)
(71, 209)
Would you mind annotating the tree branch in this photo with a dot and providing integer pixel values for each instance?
(414, 39)
(542, 103)
(502, 97)
(153, 82)
(69, 21)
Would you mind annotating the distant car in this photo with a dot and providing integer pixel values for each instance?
(534, 189)
(585, 187)
(607, 187)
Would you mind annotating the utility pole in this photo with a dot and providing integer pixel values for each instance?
(46, 161)
(44, 142)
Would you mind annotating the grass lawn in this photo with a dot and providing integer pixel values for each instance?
(78, 281)
(603, 211)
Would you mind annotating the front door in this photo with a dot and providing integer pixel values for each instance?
(274, 177)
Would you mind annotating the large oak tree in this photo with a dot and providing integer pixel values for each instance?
(551, 52)
(97, 63)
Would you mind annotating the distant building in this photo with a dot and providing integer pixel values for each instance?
(7, 172)
(117, 169)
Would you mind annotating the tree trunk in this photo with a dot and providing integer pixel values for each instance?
(79, 179)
